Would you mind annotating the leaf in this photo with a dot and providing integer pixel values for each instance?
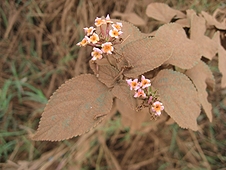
(179, 97)
(106, 73)
(212, 21)
(185, 53)
(197, 33)
(132, 118)
(170, 45)
(131, 17)
(130, 33)
(123, 92)
(72, 109)
(163, 12)
(221, 58)
(199, 74)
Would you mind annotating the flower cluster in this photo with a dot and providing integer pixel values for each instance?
(102, 37)
(142, 90)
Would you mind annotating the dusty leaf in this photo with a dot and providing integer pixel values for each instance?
(200, 74)
(208, 47)
(122, 91)
(163, 12)
(75, 108)
(131, 118)
(130, 33)
(179, 97)
(221, 58)
(131, 17)
(170, 45)
(212, 21)
(185, 53)
(104, 71)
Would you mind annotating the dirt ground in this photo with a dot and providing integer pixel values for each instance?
(38, 53)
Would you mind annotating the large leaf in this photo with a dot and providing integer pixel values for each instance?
(75, 108)
(170, 45)
(197, 33)
(179, 97)
(163, 12)
(200, 74)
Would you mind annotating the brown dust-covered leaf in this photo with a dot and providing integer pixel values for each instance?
(130, 33)
(170, 45)
(197, 33)
(200, 74)
(163, 12)
(76, 107)
(104, 71)
(213, 22)
(131, 17)
(185, 53)
(179, 97)
(122, 91)
(131, 118)
(221, 58)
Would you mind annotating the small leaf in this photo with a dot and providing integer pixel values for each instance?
(179, 97)
(163, 12)
(197, 33)
(123, 92)
(221, 58)
(105, 73)
(131, 17)
(199, 74)
(130, 33)
(132, 118)
(76, 107)
(212, 21)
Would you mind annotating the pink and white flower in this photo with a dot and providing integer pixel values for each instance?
(84, 41)
(117, 26)
(96, 53)
(89, 31)
(107, 48)
(99, 21)
(157, 107)
(115, 33)
(134, 84)
(145, 82)
(140, 93)
(94, 38)
(108, 19)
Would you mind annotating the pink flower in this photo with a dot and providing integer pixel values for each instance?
(107, 47)
(150, 99)
(108, 19)
(134, 84)
(145, 82)
(89, 31)
(84, 41)
(99, 21)
(97, 54)
(117, 26)
(115, 33)
(140, 93)
(94, 38)
(157, 107)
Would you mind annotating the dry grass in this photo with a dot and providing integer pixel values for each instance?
(38, 53)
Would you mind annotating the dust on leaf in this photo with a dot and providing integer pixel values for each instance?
(163, 12)
(200, 74)
(197, 33)
(76, 107)
(179, 96)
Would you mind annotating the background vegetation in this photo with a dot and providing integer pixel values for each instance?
(38, 53)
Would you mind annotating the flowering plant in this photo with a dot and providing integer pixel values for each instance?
(139, 72)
